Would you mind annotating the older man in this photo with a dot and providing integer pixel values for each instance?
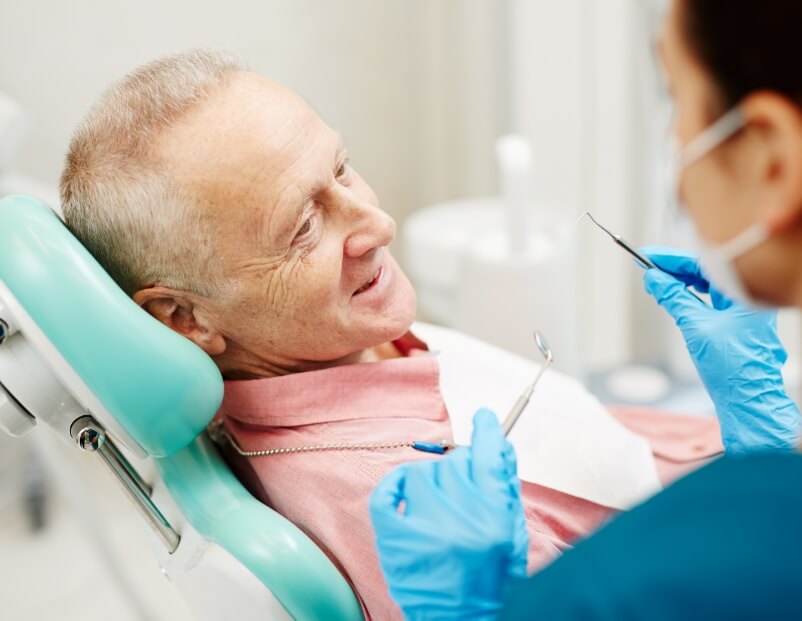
(227, 209)
(239, 222)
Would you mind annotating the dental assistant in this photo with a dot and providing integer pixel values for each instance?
(726, 541)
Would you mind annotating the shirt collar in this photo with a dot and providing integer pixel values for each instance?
(407, 387)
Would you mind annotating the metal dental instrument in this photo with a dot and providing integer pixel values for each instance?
(523, 400)
(644, 261)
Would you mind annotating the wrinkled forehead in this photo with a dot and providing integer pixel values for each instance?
(247, 135)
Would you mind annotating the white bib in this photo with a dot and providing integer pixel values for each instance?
(565, 439)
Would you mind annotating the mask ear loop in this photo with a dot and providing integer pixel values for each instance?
(714, 136)
(724, 128)
(744, 242)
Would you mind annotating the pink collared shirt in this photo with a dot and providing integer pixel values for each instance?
(326, 493)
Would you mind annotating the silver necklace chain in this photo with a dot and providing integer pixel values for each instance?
(219, 435)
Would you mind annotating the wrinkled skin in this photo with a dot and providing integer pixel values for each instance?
(297, 233)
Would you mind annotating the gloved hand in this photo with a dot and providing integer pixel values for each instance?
(737, 353)
(452, 532)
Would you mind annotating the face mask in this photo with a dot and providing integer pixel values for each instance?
(718, 262)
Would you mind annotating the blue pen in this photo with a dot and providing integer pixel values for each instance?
(432, 447)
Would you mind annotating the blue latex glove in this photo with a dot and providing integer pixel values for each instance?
(737, 353)
(452, 532)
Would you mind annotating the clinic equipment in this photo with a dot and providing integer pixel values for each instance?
(642, 260)
(79, 356)
(485, 247)
(523, 400)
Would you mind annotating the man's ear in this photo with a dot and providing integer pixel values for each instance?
(179, 312)
(781, 123)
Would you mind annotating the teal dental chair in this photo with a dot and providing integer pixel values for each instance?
(78, 355)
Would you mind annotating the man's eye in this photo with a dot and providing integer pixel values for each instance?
(342, 170)
(305, 228)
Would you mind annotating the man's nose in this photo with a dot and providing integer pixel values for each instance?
(369, 228)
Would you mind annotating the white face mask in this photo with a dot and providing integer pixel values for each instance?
(718, 262)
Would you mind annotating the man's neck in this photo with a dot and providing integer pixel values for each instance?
(242, 365)
(385, 351)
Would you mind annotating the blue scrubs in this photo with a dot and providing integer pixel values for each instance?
(723, 543)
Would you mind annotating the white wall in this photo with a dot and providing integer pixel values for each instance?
(574, 84)
(410, 83)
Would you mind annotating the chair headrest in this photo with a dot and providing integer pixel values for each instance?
(158, 386)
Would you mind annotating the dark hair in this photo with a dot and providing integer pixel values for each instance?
(747, 45)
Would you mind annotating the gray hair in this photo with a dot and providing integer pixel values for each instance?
(117, 198)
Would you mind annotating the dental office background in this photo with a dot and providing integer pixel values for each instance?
(421, 91)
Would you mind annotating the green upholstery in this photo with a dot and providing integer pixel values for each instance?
(164, 391)
(141, 371)
(217, 505)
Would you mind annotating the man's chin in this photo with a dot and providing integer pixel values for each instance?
(406, 300)
(391, 326)
(406, 311)
(373, 325)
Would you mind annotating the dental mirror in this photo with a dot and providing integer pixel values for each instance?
(543, 346)
(523, 400)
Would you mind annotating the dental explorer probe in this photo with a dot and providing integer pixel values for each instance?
(644, 261)
(523, 400)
